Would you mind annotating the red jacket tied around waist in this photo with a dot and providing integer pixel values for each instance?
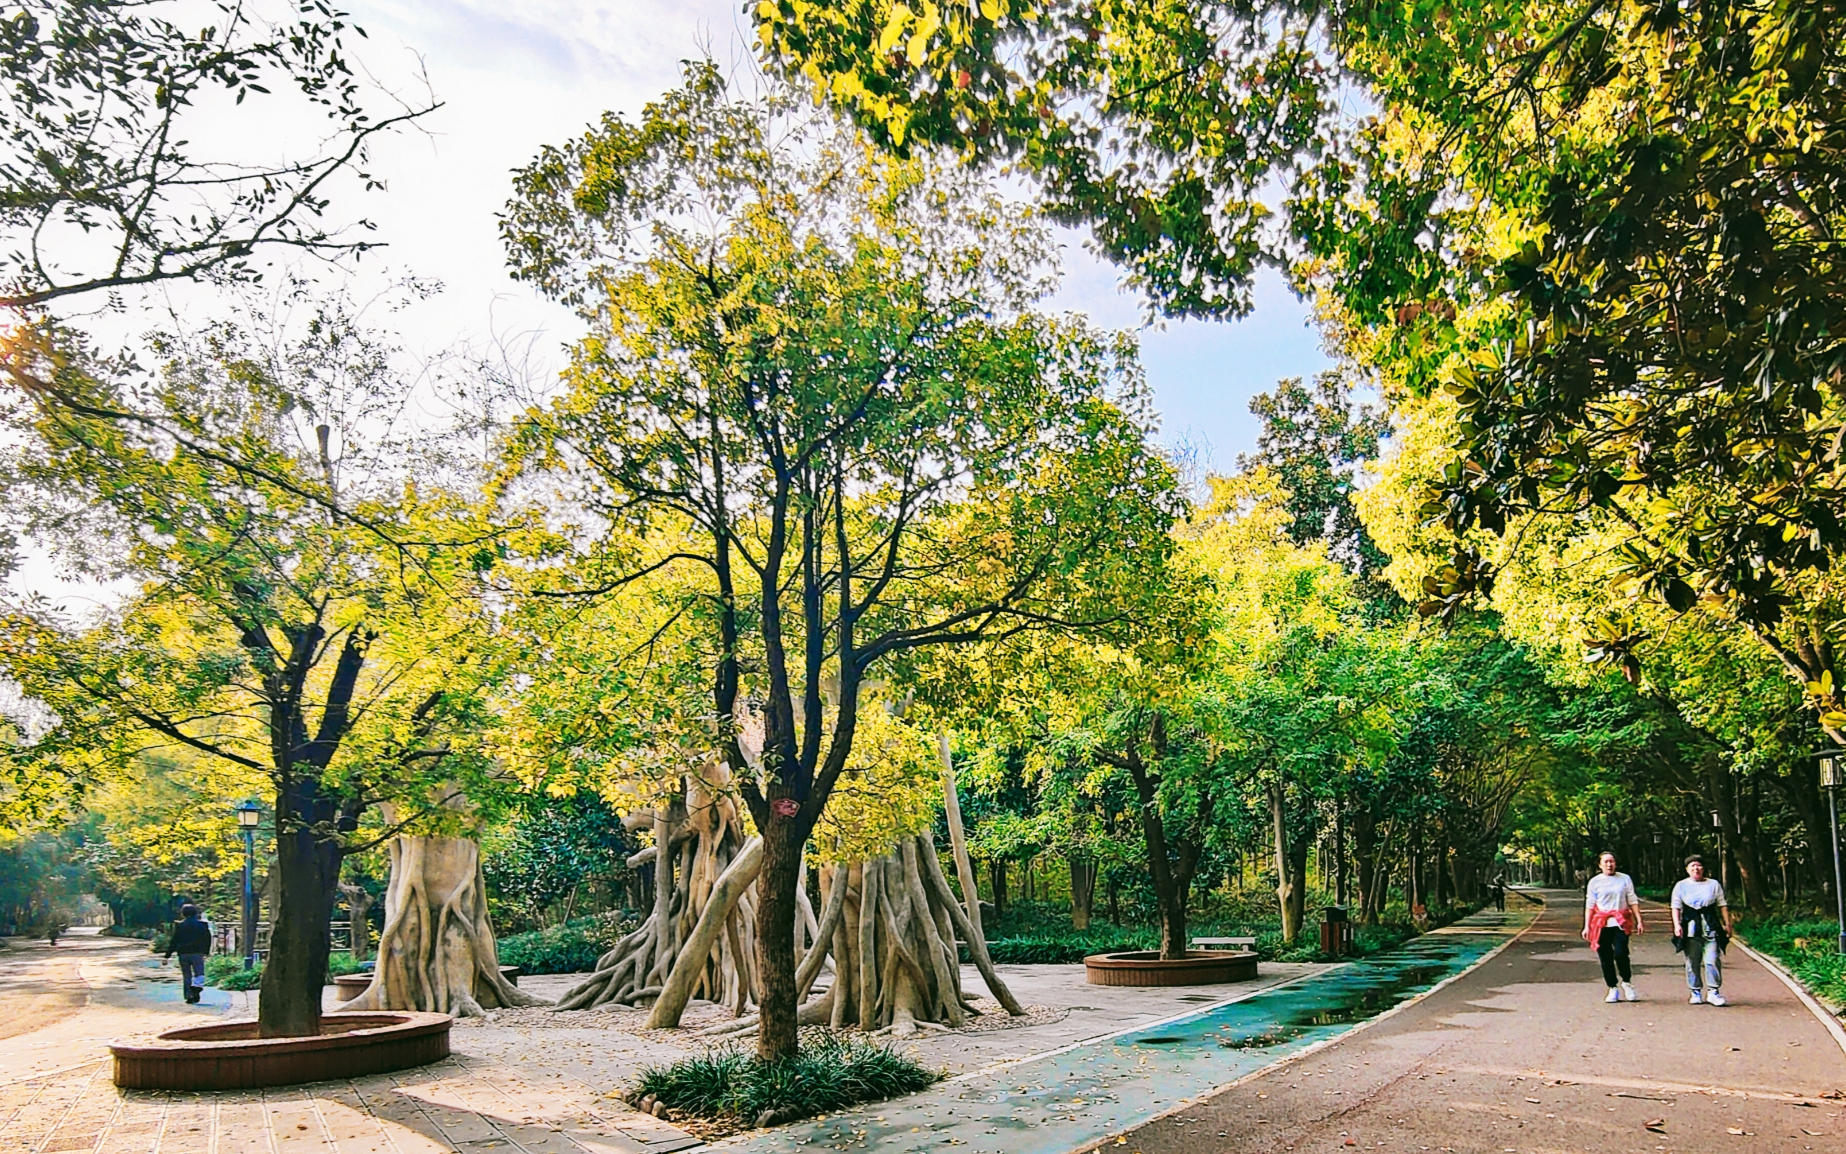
(1601, 918)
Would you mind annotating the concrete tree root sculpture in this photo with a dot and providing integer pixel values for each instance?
(699, 940)
(890, 924)
(437, 952)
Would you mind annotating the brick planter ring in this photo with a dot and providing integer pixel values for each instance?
(1145, 968)
(229, 1055)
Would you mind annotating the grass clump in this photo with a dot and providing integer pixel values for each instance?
(829, 1073)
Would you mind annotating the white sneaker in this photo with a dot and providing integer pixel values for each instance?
(1715, 999)
(1628, 994)
(1697, 998)
(1615, 995)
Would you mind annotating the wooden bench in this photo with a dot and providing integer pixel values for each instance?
(1222, 943)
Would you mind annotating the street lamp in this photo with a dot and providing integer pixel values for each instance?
(248, 815)
(1831, 780)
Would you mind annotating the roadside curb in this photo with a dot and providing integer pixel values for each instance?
(1316, 1048)
(1827, 1017)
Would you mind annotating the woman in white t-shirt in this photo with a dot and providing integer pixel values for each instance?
(1611, 915)
(1701, 930)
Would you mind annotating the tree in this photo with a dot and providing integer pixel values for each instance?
(811, 382)
(1610, 229)
(106, 183)
(1314, 441)
(306, 601)
(1305, 692)
(1627, 276)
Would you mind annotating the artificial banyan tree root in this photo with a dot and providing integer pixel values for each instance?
(890, 925)
(437, 952)
(699, 939)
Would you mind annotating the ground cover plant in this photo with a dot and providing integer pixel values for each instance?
(829, 1073)
(1806, 947)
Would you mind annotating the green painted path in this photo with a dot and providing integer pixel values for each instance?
(1064, 1099)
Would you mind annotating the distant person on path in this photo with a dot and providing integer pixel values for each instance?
(1499, 892)
(1701, 931)
(191, 940)
(1611, 915)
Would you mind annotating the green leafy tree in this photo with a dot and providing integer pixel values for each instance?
(811, 382)
(305, 602)
(1314, 441)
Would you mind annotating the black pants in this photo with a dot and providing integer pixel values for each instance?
(1612, 952)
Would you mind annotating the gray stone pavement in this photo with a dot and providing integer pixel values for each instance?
(1522, 1054)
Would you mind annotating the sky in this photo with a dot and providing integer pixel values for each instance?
(514, 77)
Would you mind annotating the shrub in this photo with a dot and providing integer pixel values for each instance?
(828, 1074)
(1807, 947)
(570, 948)
(226, 971)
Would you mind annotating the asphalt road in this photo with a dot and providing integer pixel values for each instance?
(1522, 1054)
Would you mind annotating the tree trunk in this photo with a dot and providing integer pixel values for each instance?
(775, 938)
(996, 877)
(358, 908)
(307, 876)
(689, 965)
(1339, 851)
(1291, 888)
(1082, 891)
(437, 953)
(893, 943)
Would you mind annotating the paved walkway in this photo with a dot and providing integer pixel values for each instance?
(1523, 1055)
(532, 1082)
(1518, 1054)
(1073, 1096)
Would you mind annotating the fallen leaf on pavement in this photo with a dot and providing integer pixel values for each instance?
(1657, 1125)
(1735, 1130)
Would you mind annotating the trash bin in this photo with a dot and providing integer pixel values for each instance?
(1335, 932)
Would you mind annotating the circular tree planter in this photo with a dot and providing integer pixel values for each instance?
(1146, 968)
(230, 1056)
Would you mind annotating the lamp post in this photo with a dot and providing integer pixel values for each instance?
(248, 815)
(1831, 780)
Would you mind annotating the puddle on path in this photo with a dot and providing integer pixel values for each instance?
(1053, 1104)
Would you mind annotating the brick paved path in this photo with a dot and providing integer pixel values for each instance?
(59, 1008)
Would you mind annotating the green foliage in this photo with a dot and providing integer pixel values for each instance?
(1314, 441)
(569, 948)
(1807, 947)
(226, 971)
(829, 1074)
(1158, 124)
(553, 849)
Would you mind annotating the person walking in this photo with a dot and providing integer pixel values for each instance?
(1611, 915)
(1701, 931)
(192, 941)
(1498, 889)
